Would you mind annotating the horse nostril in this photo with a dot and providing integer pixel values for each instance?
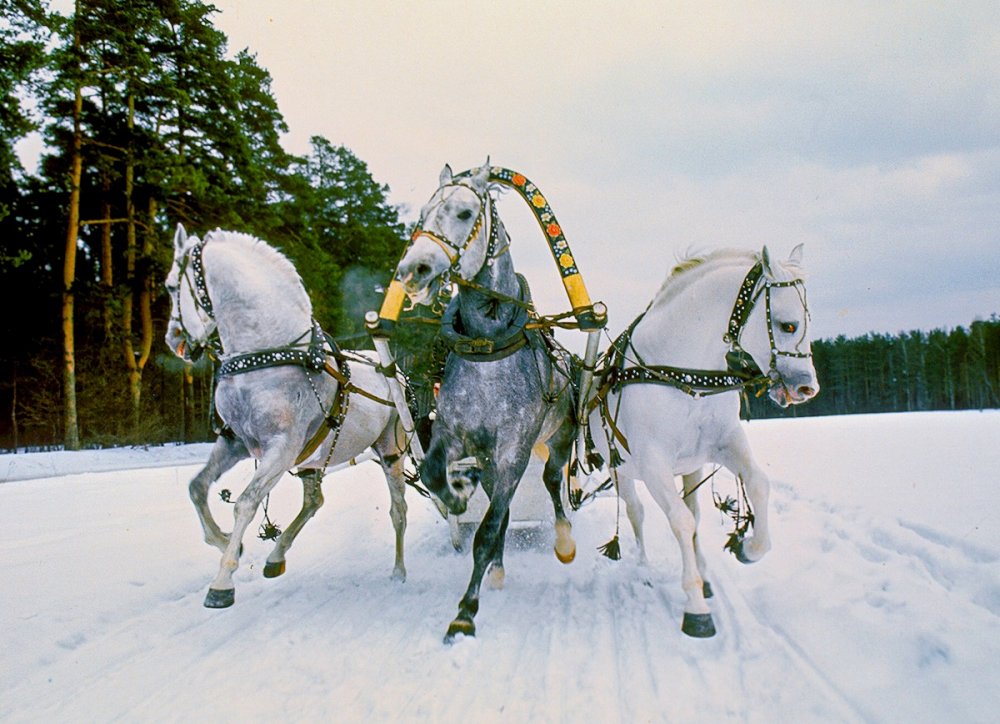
(423, 269)
(806, 391)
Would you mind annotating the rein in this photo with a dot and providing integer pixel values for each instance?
(741, 372)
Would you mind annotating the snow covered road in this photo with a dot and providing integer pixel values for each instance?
(880, 600)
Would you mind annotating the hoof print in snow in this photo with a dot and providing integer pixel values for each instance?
(698, 625)
(220, 599)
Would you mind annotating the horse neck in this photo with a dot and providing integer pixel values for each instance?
(685, 327)
(255, 308)
(496, 275)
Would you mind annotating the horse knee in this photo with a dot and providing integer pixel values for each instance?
(198, 489)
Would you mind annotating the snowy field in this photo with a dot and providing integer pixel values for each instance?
(880, 600)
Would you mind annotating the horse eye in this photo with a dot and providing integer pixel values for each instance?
(789, 327)
(465, 214)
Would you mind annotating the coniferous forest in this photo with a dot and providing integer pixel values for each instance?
(148, 120)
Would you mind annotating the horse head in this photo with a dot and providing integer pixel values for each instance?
(776, 333)
(453, 235)
(191, 323)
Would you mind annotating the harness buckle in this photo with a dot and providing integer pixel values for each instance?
(479, 345)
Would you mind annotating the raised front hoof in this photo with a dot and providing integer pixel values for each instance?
(220, 598)
(706, 589)
(459, 627)
(698, 625)
(273, 569)
(567, 554)
(739, 551)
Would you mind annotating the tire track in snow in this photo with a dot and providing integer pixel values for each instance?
(753, 631)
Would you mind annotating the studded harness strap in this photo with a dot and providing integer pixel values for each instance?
(313, 357)
(742, 371)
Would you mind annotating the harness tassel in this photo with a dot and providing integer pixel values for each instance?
(616, 458)
(612, 549)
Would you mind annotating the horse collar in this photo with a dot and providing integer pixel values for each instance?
(487, 349)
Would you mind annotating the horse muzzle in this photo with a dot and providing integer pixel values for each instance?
(785, 393)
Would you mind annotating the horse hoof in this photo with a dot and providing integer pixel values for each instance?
(698, 625)
(459, 626)
(273, 569)
(706, 589)
(217, 598)
(566, 557)
(740, 554)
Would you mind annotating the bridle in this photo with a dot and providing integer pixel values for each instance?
(746, 299)
(192, 270)
(454, 251)
(741, 372)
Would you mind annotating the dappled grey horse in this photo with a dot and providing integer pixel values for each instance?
(502, 392)
(288, 397)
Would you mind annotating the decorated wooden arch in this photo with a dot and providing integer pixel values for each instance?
(588, 316)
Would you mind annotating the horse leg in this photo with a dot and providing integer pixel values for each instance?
(312, 500)
(449, 474)
(226, 452)
(221, 592)
(397, 511)
(738, 458)
(496, 574)
(484, 551)
(691, 483)
(635, 512)
(552, 474)
(697, 616)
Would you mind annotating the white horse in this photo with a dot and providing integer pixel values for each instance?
(669, 402)
(287, 398)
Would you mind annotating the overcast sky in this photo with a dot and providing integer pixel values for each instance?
(868, 130)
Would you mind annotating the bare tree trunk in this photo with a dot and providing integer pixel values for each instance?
(71, 427)
(107, 273)
(13, 408)
(132, 357)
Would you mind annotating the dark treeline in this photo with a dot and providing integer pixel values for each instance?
(939, 370)
(148, 121)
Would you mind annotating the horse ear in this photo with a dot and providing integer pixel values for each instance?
(795, 258)
(482, 176)
(765, 260)
(446, 176)
(180, 238)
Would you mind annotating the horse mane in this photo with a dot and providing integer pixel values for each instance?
(683, 271)
(265, 254)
